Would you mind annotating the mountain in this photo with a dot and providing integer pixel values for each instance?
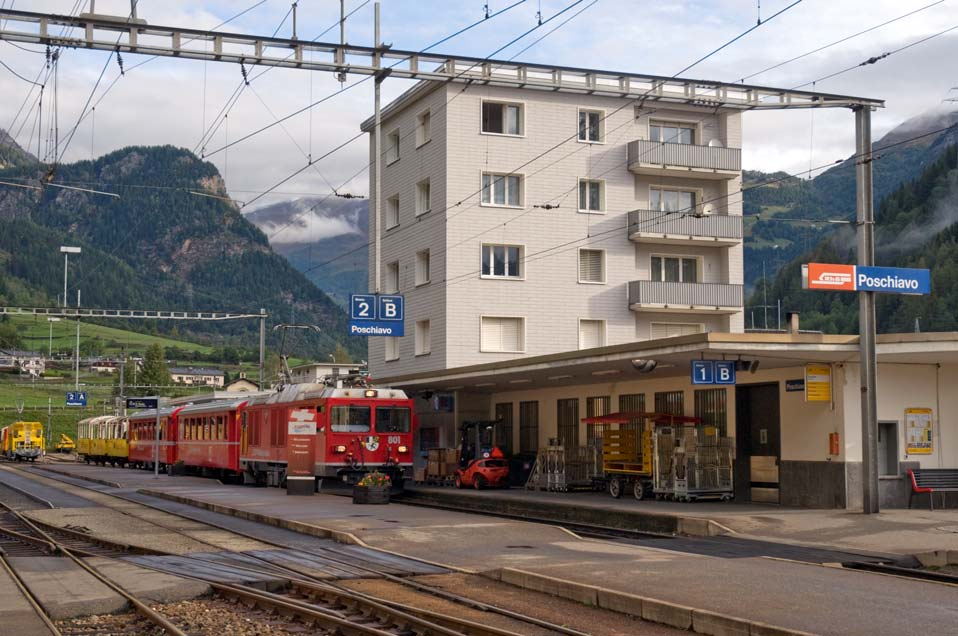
(12, 155)
(916, 226)
(324, 238)
(831, 194)
(158, 245)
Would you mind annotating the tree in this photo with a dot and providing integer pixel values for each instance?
(340, 354)
(9, 337)
(155, 372)
(92, 347)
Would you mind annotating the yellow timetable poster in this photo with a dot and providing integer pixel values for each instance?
(918, 432)
(818, 383)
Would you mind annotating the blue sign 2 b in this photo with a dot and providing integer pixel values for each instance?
(713, 372)
(374, 315)
(76, 398)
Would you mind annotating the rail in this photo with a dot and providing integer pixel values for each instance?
(648, 292)
(643, 151)
(685, 224)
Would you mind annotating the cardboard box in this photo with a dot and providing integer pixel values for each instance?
(450, 455)
(435, 454)
(432, 468)
(419, 474)
(450, 469)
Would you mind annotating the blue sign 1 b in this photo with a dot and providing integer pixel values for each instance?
(375, 315)
(713, 372)
(703, 372)
(76, 398)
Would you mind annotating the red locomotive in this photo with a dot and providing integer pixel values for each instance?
(358, 429)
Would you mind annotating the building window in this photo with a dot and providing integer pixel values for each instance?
(668, 200)
(423, 197)
(502, 119)
(567, 422)
(632, 403)
(594, 407)
(672, 329)
(504, 430)
(528, 427)
(502, 261)
(392, 212)
(392, 147)
(672, 132)
(670, 402)
(423, 128)
(591, 334)
(392, 278)
(591, 125)
(591, 195)
(423, 338)
(710, 406)
(422, 267)
(591, 266)
(392, 348)
(501, 189)
(502, 334)
(675, 269)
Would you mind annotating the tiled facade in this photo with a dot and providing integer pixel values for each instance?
(551, 160)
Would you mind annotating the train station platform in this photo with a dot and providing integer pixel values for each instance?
(721, 574)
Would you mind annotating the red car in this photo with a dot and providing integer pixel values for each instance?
(484, 473)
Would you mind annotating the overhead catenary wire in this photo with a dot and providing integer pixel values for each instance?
(562, 142)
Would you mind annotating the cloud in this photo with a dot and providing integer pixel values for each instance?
(173, 101)
(309, 228)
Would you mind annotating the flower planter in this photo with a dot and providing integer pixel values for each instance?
(371, 494)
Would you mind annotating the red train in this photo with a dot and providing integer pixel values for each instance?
(358, 430)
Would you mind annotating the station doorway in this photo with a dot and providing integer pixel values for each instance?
(758, 443)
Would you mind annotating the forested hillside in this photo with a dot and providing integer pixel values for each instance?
(915, 227)
(159, 245)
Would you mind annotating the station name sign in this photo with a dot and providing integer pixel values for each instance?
(889, 280)
(141, 403)
(376, 315)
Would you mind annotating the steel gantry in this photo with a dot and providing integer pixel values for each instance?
(134, 35)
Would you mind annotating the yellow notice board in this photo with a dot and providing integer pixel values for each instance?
(919, 426)
(818, 383)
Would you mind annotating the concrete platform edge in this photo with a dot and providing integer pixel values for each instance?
(645, 608)
(294, 526)
(93, 480)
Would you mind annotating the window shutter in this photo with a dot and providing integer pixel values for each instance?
(671, 329)
(590, 266)
(501, 334)
(590, 334)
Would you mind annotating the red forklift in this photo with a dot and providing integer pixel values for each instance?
(481, 463)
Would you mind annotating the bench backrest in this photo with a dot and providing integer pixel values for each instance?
(935, 477)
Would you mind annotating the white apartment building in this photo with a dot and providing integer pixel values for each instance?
(522, 222)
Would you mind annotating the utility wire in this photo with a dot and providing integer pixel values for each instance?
(640, 99)
(840, 41)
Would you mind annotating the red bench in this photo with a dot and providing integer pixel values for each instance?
(932, 480)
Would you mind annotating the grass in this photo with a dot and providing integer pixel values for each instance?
(35, 333)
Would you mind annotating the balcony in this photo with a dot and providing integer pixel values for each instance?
(700, 298)
(684, 160)
(654, 226)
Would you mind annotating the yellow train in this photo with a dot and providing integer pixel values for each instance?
(102, 440)
(22, 441)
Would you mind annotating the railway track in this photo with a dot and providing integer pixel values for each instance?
(321, 603)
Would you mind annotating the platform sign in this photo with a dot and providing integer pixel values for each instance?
(713, 372)
(376, 315)
(703, 372)
(818, 383)
(888, 280)
(142, 403)
(301, 453)
(76, 398)
(919, 430)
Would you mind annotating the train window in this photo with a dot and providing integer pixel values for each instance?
(349, 419)
(392, 419)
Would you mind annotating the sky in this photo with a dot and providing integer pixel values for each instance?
(170, 101)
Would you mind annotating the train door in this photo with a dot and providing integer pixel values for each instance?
(758, 443)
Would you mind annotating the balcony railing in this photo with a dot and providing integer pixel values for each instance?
(655, 153)
(686, 224)
(713, 296)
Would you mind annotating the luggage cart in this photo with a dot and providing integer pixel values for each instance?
(630, 453)
(693, 462)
